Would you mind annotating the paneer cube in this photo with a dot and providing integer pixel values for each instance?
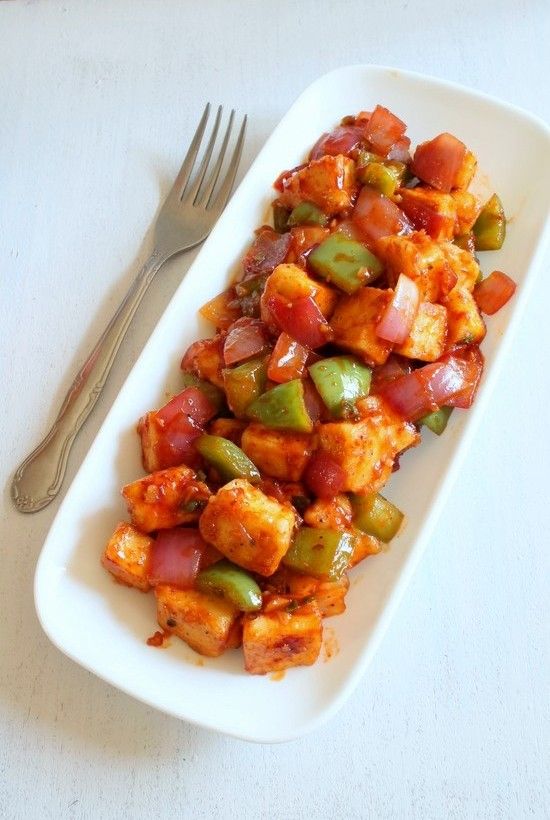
(465, 323)
(466, 172)
(127, 556)
(150, 430)
(205, 622)
(278, 453)
(328, 182)
(462, 264)
(426, 340)
(429, 210)
(467, 211)
(329, 595)
(330, 513)
(290, 283)
(281, 636)
(228, 428)
(205, 360)
(165, 499)
(418, 257)
(366, 449)
(354, 324)
(363, 546)
(248, 527)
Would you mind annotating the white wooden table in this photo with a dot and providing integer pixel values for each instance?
(97, 102)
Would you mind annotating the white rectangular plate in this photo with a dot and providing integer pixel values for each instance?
(104, 626)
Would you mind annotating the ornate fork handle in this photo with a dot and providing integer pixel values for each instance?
(38, 479)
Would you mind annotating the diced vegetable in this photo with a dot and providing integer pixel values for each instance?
(324, 476)
(280, 218)
(233, 583)
(438, 161)
(301, 319)
(490, 226)
(168, 445)
(176, 557)
(191, 402)
(249, 292)
(243, 384)
(397, 320)
(267, 251)
(205, 360)
(221, 310)
(376, 516)
(437, 421)
(245, 338)
(214, 395)
(340, 141)
(228, 459)
(282, 407)
(321, 553)
(493, 292)
(430, 211)
(383, 178)
(306, 213)
(349, 264)
(340, 381)
(383, 129)
(288, 360)
(375, 216)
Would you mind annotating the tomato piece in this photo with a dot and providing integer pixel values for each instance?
(399, 315)
(400, 151)
(324, 476)
(384, 129)
(375, 216)
(288, 360)
(438, 161)
(301, 319)
(267, 251)
(493, 292)
(340, 141)
(222, 310)
(191, 402)
(245, 338)
(176, 557)
(468, 362)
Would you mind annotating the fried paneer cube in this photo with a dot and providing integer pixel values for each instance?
(467, 211)
(462, 264)
(430, 210)
(205, 622)
(418, 257)
(428, 335)
(328, 182)
(284, 634)
(250, 528)
(363, 546)
(354, 324)
(330, 513)
(278, 453)
(466, 172)
(330, 596)
(290, 283)
(127, 556)
(232, 429)
(366, 449)
(465, 323)
(205, 360)
(165, 499)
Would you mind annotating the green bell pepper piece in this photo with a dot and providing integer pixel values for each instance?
(228, 459)
(364, 157)
(243, 384)
(233, 583)
(340, 381)
(212, 393)
(375, 515)
(383, 178)
(490, 226)
(283, 407)
(437, 421)
(280, 218)
(322, 553)
(306, 213)
(347, 263)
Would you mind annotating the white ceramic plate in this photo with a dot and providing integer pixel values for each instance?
(103, 626)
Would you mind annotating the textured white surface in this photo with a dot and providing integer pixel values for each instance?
(97, 101)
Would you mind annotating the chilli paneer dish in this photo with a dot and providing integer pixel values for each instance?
(354, 326)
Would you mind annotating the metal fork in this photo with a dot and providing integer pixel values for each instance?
(185, 220)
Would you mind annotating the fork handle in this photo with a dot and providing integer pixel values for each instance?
(38, 479)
